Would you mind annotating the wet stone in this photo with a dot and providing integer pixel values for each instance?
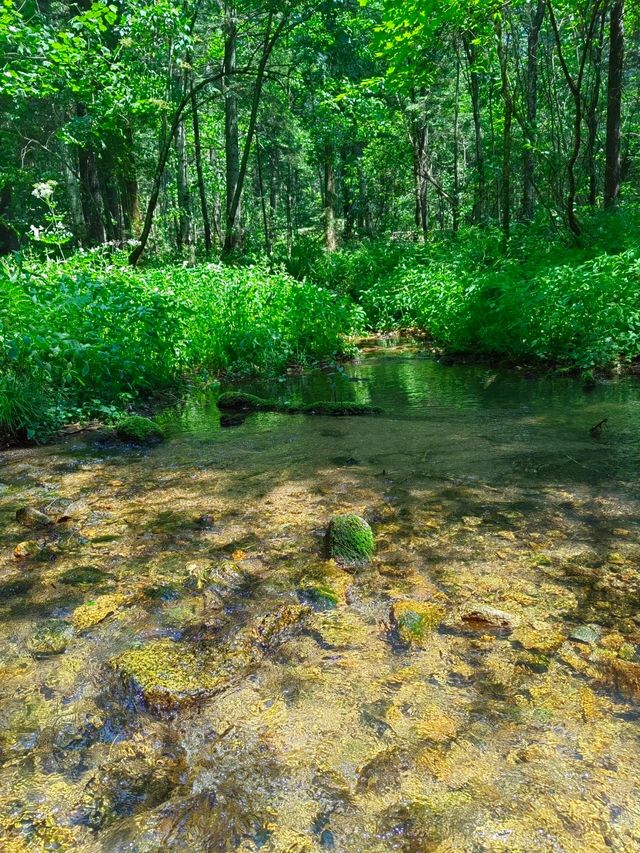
(27, 550)
(482, 616)
(29, 517)
(589, 634)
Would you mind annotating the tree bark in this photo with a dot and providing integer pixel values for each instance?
(233, 235)
(505, 91)
(528, 161)
(612, 175)
(185, 223)
(575, 87)
(329, 195)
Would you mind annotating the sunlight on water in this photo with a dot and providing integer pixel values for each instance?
(182, 668)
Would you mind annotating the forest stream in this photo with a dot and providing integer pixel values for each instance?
(182, 668)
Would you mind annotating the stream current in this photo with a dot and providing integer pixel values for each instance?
(182, 668)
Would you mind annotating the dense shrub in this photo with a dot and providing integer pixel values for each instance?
(86, 336)
(543, 301)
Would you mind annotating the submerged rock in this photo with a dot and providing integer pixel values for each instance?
(622, 674)
(168, 675)
(29, 517)
(14, 586)
(28, 549)
(82, 576)
(138, 773)
(139, 430)
(274, 628)
(350, 539)
(326, 591)
(50, 638)
(413, 621)
(588, 634)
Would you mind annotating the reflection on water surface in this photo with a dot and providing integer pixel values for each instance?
(180, 667)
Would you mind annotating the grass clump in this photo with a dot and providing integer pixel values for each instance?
(350, 539)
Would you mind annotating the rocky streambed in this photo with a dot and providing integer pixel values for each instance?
(184, 664)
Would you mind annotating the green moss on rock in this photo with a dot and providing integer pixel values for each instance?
(138, 429)
(333, 408)
(168, 675)
(350, 539)
(236, 401)
(413, 621)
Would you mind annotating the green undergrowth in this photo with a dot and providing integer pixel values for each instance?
(546, 300)
(89, 337)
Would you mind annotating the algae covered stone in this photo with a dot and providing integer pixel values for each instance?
(138, 429)
(350, 539)
(168, 675)
(50, 638)
(91, 613)
(413, 621)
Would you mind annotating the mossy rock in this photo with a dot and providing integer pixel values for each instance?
(413, 621)
(51, 638)
(139, 430)
(168, 675)
(350, 540)
(236, 401)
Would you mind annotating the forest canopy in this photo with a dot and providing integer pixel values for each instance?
(453, 166)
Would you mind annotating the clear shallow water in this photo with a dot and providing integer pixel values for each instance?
(317, 730)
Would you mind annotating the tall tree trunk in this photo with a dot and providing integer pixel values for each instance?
(129, 187)
(505, 91)
(591, 112)
(528, 161)
(185, 222)
(202, 191)
(70, 167)
(612, 175)
(455, 207)
(329, 195)
(474, 90)
(233, 232)
(263, 203)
